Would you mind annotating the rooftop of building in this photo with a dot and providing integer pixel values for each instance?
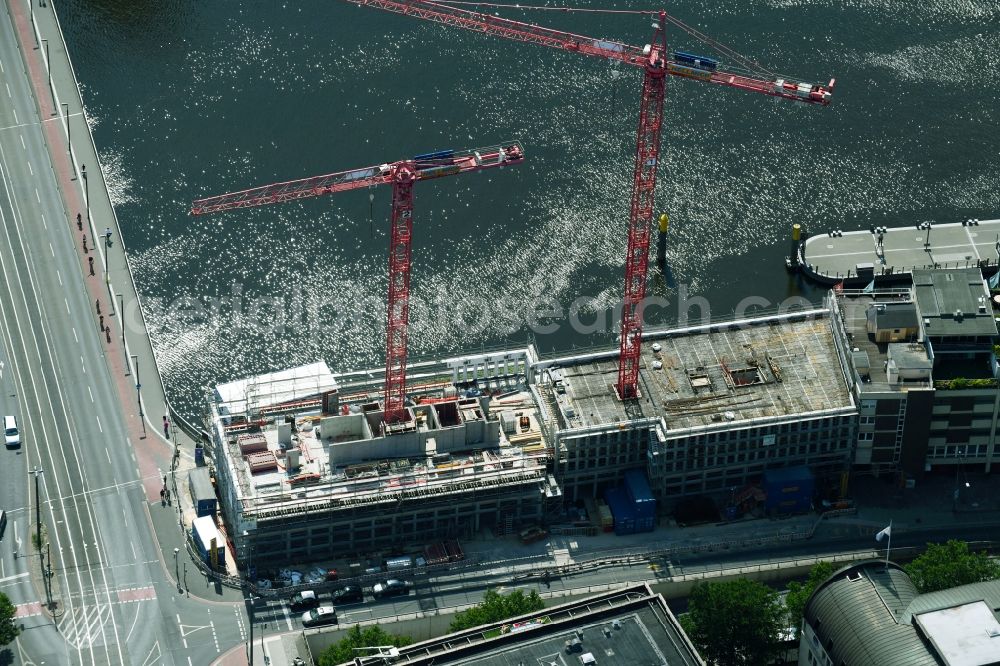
(286, 454)
(871, 358)
(780, 367)
(865, 614)
(627, 626)
(954, 303)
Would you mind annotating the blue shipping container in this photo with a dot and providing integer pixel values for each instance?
(638, 491)
(622, 509)
(789, 489)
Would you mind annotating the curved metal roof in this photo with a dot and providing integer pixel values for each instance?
(860, 616)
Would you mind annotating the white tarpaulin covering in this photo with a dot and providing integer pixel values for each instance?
(273, 388)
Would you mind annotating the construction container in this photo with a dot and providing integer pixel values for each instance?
(202, 492)
(205, 532)
(638, 491)
(789, 489)
(622, 509)
(252, 443)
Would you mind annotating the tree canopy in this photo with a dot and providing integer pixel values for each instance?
(372, 636)
(735, 623)
(495, 607)
(799, 593)
(9, 630)
(950, 564)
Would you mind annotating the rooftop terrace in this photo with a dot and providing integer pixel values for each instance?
(708, 376)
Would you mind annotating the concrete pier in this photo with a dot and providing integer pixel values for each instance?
(858, 257)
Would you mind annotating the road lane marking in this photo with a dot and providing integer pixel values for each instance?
(14, 577)
(288, 617)
(8, 91)
(51, 251)
(74, 336)
(22, 142)
(37, 198)
(124, 517)
(99, 426)
(30, 170)
(91, 393)
(45, 224)
(34, 388)
(109, 462)
(16, 121)
(67, 306)
(83, 365)
(59, 275)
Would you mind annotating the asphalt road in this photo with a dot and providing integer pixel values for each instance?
(112, 600)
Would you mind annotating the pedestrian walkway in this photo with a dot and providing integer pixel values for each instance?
(152, 428)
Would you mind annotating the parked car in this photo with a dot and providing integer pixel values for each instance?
(348, 594)
(390, 588)
(304, 600)
(319, 616)
(532, 534)
(263, 584)
(321, 575)
(289, 578)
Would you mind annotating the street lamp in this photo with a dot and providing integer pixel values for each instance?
(37, 471)
(138, 385)
(86, 190)
(177, 567)
(121, 309)
(48, 66)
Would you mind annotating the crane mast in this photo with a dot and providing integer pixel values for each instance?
(657, 64)
(402, 175)
(647, 158)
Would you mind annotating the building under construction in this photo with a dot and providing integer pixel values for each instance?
(308, 467)
(306, 472)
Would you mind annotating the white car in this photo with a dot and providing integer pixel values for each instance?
(319, 616)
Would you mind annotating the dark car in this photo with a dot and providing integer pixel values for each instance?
(532, 534)
(304, 600)
(319, 616)
(348, 594)
(390, 588)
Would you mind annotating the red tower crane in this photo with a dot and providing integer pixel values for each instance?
(402, 175)
(656, 64)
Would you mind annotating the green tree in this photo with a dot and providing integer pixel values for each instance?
(8, 629)
(495, 607)
(735, 623)
(799, 593)
(372, 636)
(950, 564)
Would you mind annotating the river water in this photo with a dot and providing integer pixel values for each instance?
(189, 99)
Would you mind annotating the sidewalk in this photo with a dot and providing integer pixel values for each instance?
(108, 279)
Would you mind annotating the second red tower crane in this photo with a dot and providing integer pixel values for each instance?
(656, 64)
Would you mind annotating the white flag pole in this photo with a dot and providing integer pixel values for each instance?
(888, 545)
